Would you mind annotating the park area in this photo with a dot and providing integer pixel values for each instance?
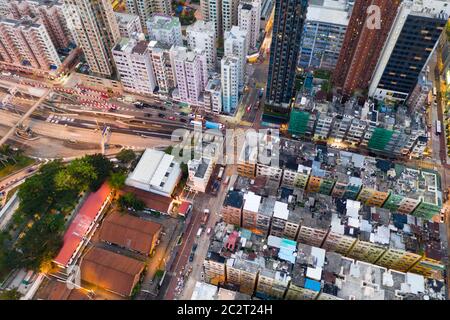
(184, 11)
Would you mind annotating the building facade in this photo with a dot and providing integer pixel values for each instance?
(95, 29)
(362, 45)
(26, 43)
(190, 72)
(235, 44)
(162, 67)
(249, 19)
(324, 33)
(50, 14)
(213, 96)
(133, 62)
(229, 14)
(129, 24)
(201, 35)
(286, 38)
(230, 83)
(414, 35)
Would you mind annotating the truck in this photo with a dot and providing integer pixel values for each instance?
(199, 232)
(438, 127)
(213, 125)
(196, 123)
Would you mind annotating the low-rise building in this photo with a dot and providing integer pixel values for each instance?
(199, 173)
(156, 172)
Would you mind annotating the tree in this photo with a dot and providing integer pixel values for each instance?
(117, 180)
(12, 294)
(126, 156)
(102, 167)
(129, 200)
(41, 242)
(78, 175)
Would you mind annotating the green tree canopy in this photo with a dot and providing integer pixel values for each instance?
(126, 156)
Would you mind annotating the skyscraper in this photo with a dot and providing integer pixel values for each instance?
(286, 38)
(414, 35)
(95, 29)
(362, 45)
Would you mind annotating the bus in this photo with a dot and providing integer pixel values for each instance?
(438, 127)
(220, 174)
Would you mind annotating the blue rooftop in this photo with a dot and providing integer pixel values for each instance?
(312, 285)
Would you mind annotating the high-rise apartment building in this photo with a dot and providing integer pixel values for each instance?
(129, 24)
(230, 83)
(4, 8)
(215, 16)
(95, 29)
(249, 19)
(363, 43)
(162, 66)
(141, 8)
(229, 14)
(190, 72)
(213, 96)
(26, 43)
(324, 33)
(201, 35)
(235, 44)
(204, 9)
(414, 35)
(286, 38)
(50, 13)
(165, 29)
(162, 6)
(133, 63)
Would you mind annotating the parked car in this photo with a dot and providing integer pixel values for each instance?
(161, 115)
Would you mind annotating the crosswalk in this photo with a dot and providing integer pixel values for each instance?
(56, 119)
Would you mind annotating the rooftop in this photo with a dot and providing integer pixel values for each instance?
(130, 232)
(234, 198)
(110, 271)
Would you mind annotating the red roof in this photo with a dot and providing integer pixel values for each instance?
(81, 223)
(184, 207)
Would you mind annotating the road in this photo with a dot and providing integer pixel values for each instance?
(132, 139)
(24, 117)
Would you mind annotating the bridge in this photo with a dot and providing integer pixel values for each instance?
(25, 116)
